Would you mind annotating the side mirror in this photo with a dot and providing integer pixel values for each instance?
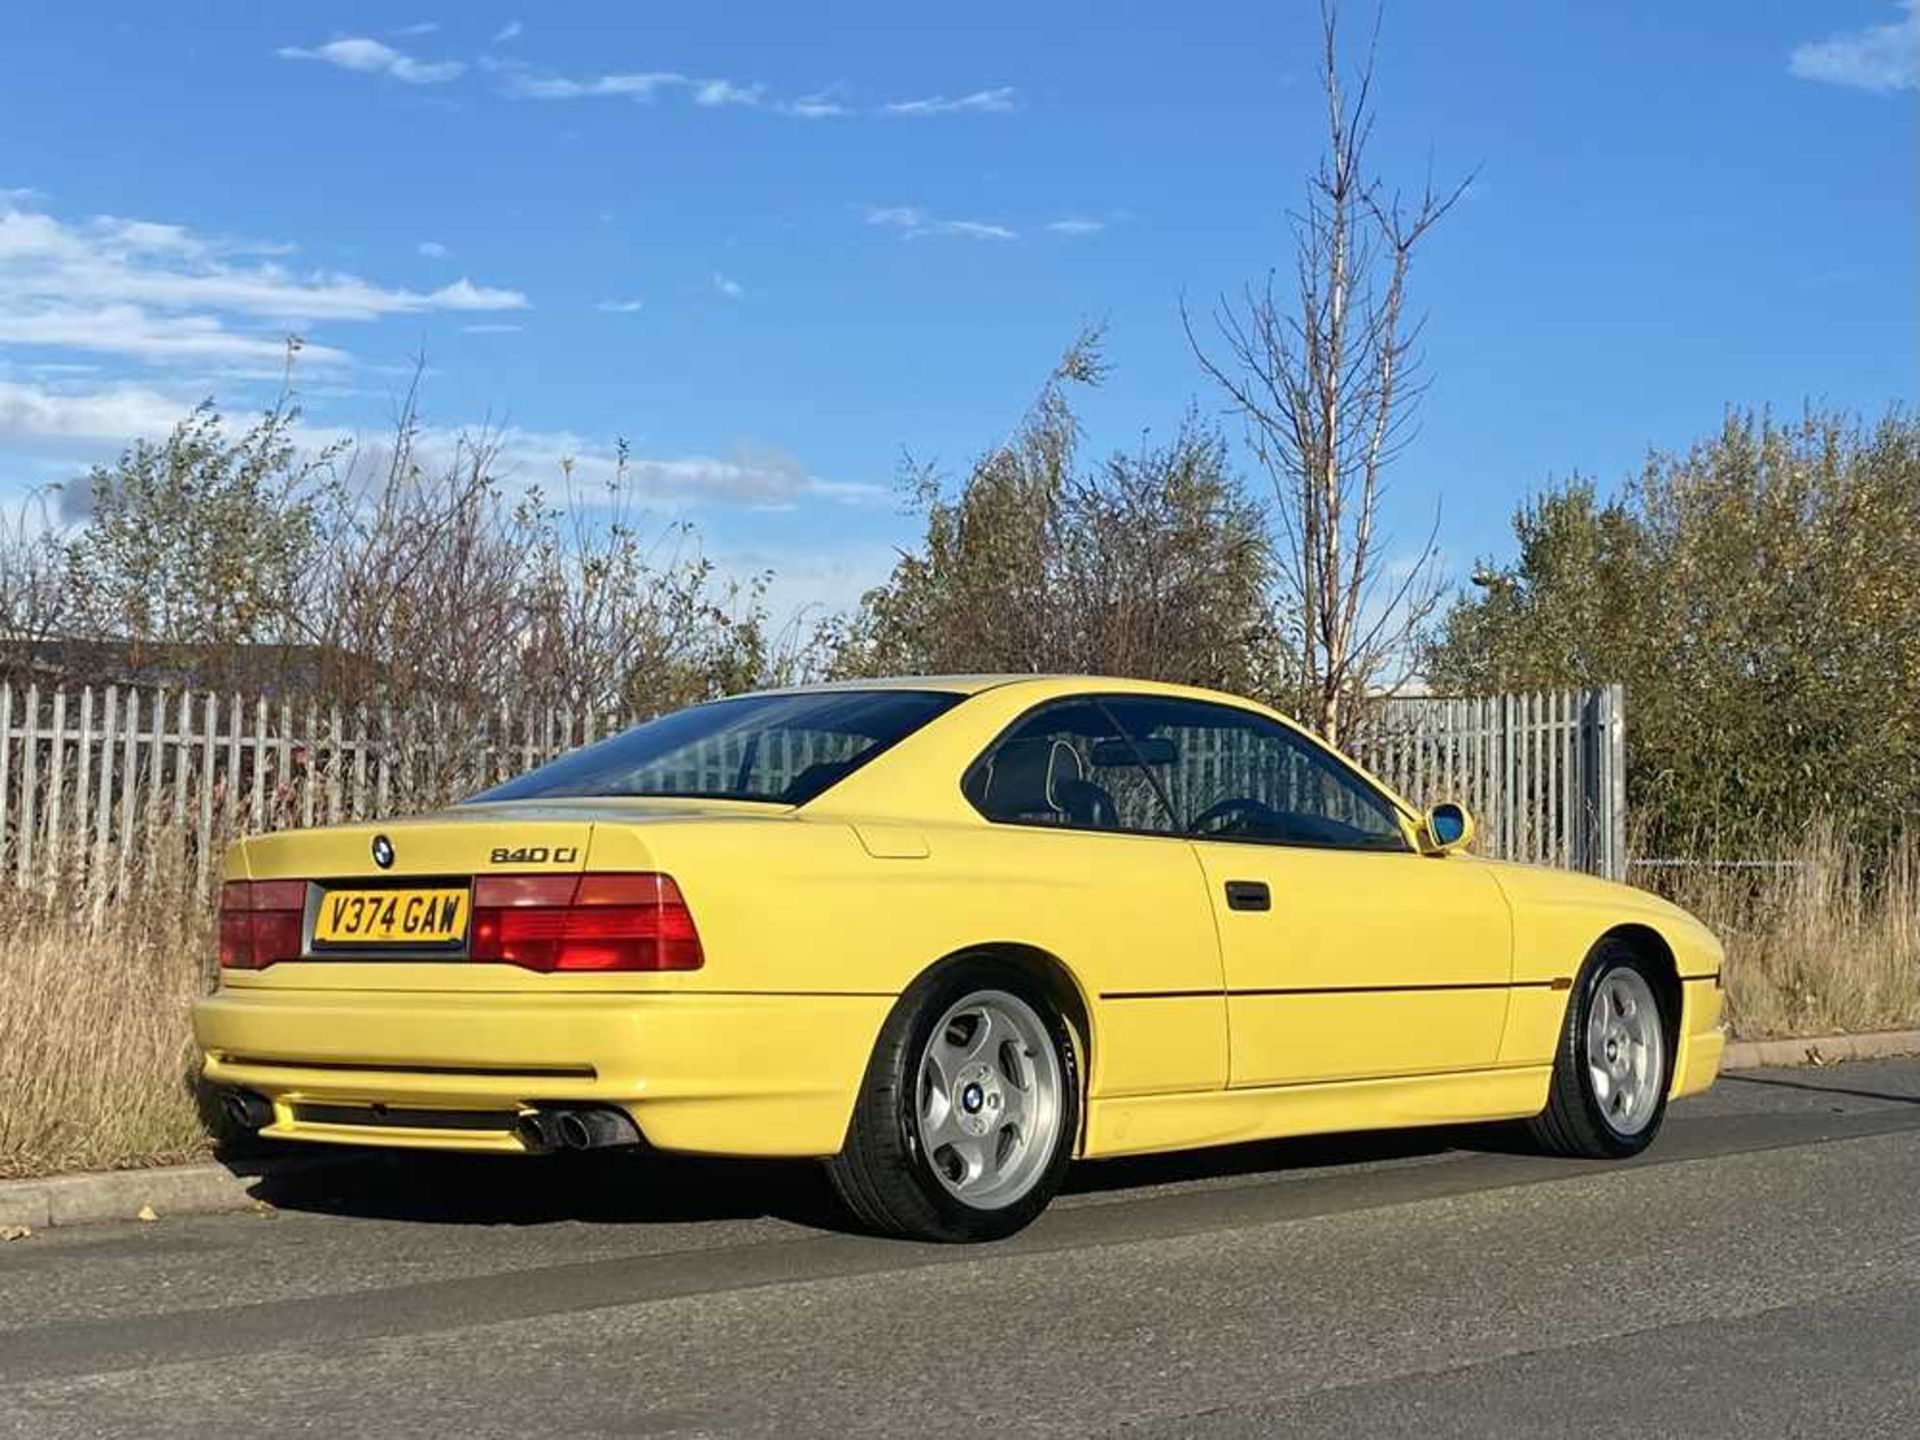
(1446, 828)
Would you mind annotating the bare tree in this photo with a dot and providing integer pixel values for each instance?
(36, 593)
(1324, 374)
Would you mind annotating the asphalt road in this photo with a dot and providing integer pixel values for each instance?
(1757, 1274)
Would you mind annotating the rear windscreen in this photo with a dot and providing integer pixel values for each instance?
(782, 749)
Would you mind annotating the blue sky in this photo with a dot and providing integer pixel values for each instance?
(775, 246)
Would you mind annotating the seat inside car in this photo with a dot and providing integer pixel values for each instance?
(1084, 802)
(1044, 780)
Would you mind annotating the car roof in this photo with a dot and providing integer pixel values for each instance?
(1052, 684)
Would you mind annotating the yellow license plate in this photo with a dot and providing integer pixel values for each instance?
(391, 917)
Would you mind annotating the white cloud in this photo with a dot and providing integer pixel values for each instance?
(620, 307)
(725, 92)
(649, 85)
(1076, 225)
(433, 250)
(820, 105)
(490, 329)
(462, 294)
(810, 580)
(756, 476)
(371, 57)
(131, 330)
(1880, 58)
(165, 294)
(898, 217)
(994, 102)
(512, 30)
(913, 222)
(95, 424)
(732, 289)
(975, 230)
(109, 417)
(424, 27)
(636, 85)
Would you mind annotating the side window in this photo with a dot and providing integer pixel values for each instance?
(1234, 775)
(1067, 764)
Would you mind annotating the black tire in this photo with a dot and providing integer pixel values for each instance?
(1574, 1122)
(882, 1174)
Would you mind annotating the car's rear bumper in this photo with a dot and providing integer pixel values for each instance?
(718, 1074)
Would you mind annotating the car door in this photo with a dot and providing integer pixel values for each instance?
(1124, 898)
(1346, 953)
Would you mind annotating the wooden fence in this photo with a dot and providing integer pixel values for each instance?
(91, 779)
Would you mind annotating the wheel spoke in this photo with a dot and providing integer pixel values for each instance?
(980, 1154)
(937, 1125)
(1602, 1083)
(936, 1067)
(1013, 1106)
(986, 1032)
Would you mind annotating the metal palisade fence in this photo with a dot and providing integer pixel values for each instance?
(95, 780)
(1544, 774)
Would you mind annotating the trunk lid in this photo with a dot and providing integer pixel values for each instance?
(546, 837)
(429, 860)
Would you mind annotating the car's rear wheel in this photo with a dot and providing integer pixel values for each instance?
(1613, 1067)
(966, 1121)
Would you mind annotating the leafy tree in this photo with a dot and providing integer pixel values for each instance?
(197, 542)
(1154, 564)
(1759, 597)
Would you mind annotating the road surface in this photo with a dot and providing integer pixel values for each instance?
(1757, 1274)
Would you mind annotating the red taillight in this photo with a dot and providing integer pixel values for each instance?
(597, 922)
(260, 922)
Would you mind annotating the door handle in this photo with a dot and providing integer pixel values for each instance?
(1249, 895)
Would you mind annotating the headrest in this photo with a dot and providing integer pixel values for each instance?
(1024, 777)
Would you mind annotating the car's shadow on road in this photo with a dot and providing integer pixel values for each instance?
(611, 1189)
(1297, 1158)
(623, 1188)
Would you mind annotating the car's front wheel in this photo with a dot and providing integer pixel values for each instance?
(1613, 1068)
(966, 1121)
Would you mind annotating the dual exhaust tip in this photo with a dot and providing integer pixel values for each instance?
(542, 1131)
(246, 1111)
(567, 1128)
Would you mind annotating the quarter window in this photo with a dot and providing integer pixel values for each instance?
(1068, 764)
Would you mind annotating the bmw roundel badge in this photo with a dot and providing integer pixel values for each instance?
(383, 852)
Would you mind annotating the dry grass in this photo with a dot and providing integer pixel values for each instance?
(97, 1061)
(1822, 944)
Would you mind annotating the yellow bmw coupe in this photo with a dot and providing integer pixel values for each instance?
(948, 935)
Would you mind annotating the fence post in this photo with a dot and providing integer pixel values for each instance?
(56, 781)
(29, 785)
(209, 757)
(129, 786)
(1616, 741)
(82, 792)
(103, 799)
(183, 760)
(6, 763)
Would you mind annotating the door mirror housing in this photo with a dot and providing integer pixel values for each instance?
(1445, 828)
